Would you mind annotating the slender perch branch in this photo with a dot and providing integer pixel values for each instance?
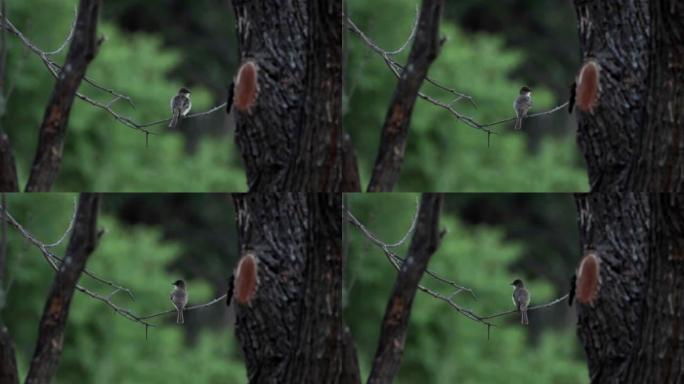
(558, 300)
(190, 308)
(395, 129)
(425, 241)
(51, 329)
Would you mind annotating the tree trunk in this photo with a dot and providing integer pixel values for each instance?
(633, 139)
(394, 326)
(53, 322)
(48, 157)
(292, 330)
(290, 139)
(633, 332)
(395, 129)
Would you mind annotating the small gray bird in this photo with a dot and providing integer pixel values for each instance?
(180, 106)
(179, 298)
(522, 104)
(521, 299)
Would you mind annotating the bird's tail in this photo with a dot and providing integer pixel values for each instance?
(523, 319)
(174, 119)
(518, 123)
(179, 317)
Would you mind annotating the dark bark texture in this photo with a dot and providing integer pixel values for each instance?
(351, 182)
(51, 329)
(48, 157)
(8, 167)
(292, 331)
(634, 139)
(395, 323)
(634, 331)
(395, 129)
(8, 363)
(290, 140)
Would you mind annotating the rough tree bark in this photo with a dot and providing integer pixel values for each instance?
(395, 323)
(634, 330)
(8, 168)
(290, 141)
(8, 363)
(48, 157)
(292, 331)
(351, 182)
(51, 329)
(395, 129)
(634, 139)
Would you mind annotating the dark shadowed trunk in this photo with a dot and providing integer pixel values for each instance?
(8, 168)
(48, 157)
(634, 139)
(290, 141)
(51, 329)
(398, 311)
(292, 331)
(634, 330)
(8, 362)
(395, 129)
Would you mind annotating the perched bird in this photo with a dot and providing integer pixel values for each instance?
(522, 104)
(521, 299)
(179, 298)
(180, 106)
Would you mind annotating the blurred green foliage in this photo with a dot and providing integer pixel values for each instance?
(443, 346)
(100, 154)
(101, 346)
(442, 153)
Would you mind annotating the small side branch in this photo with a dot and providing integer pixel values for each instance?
(425, 241)
(51, 329)
(395, 129)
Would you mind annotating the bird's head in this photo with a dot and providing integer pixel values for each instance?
(525, 90)
(517, 283)
(184, 91)
(179, 283)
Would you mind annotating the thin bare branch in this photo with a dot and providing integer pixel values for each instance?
(397, 69)
(69, 36)
(55, 69)
(395, 260)
(554, 302)
(69, 228)
(190, 308)
(550, 111)
(55, 262)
